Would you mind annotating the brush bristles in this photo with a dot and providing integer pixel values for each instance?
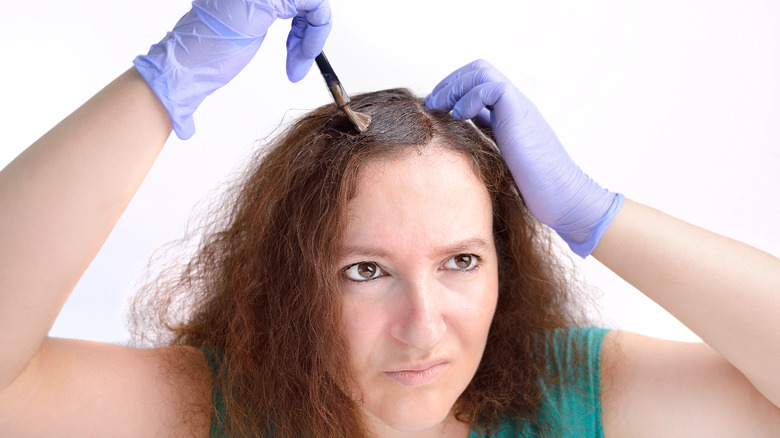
(360, 120)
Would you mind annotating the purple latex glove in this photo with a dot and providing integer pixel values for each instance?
(216, 39)
(557, 192)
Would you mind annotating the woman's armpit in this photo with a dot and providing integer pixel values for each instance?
(655, 387)
(82, 388)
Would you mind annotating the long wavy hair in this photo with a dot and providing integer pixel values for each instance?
(261, 292)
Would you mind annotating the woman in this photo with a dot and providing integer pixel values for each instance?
(412, 310)
(404, 231)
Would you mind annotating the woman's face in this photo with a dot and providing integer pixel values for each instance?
(420, 282)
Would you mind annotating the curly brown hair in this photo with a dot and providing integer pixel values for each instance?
(262, 289)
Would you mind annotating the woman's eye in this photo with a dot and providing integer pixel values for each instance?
(362, 271)
(462, 262)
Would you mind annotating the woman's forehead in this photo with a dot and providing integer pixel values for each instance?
(431, 195)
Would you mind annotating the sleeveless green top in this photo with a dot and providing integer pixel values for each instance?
(572, 404)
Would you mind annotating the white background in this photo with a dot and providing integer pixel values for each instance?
(676, 104)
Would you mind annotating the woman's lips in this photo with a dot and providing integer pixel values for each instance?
(418, 376)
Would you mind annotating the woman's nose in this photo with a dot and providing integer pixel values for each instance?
(420, 321)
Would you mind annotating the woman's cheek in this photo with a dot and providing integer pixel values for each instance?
(474, 294)
(362, 317)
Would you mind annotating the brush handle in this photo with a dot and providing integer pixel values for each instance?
(332, 81)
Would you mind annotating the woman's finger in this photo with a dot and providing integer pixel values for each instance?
(450, 90)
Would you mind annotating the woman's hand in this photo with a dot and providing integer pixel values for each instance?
(216, 39)
(557, 192)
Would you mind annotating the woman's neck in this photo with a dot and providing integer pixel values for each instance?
(449, 428)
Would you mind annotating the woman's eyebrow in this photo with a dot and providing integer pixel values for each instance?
(477, 244)
(473, 244)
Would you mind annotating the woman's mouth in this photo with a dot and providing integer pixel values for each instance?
(418, 375)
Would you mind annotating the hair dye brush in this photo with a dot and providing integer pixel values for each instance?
(360, 120)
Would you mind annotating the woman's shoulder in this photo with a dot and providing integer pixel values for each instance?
(571, 386)
(573, 352)
(568, 341)
(571, 391)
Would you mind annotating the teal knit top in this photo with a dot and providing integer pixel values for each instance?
(571, 405)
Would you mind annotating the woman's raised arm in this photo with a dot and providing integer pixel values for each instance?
(726, 292)
(62, 196)
(60, 199)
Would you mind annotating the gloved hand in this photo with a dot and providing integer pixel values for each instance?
(557, 192)
(216, 39)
